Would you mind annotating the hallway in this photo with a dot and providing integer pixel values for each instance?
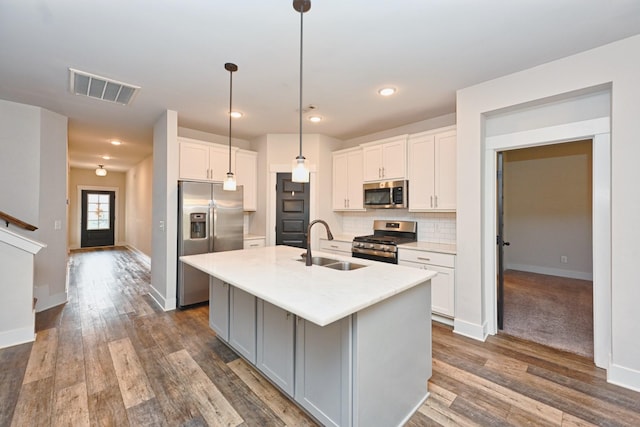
(111, 357)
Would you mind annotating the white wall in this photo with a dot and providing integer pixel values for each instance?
(50, 277)
(34, 161)
(87, 179)
(165, 207)
(611, 64)
(139, 206)
(547, 209)
(20, 161)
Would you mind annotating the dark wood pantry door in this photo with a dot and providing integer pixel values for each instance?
(292, 211)
(98, 218)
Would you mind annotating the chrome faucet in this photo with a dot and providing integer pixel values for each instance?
(329, 236)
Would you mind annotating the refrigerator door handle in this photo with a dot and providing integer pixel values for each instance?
(212, 225)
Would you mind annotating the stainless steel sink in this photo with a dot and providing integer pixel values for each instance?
(345, 266)
(333, 263)
(319, 260)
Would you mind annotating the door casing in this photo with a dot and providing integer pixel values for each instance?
(598, 130)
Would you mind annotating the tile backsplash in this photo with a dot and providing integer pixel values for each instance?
(437, 227)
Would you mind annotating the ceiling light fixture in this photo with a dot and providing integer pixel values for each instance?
(116, 142)
(315, 119)
(300, 171)
(387, 91)
(230, 182)
(101, 171)
(106, 157)
(236, 114)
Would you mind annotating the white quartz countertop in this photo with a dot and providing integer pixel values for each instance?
(252, 237)
(431, 247)
(318, 294)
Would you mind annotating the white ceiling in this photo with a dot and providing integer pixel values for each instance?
(176, 50)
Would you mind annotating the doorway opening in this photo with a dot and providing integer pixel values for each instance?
(545, 249)
(97, 218)
(292, 211)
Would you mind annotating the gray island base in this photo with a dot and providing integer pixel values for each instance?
(352, 348)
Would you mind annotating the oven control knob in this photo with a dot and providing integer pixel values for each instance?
(369, 245)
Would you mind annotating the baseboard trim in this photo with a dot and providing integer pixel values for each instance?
(164, 304)
(470, 330)
(17, 336)
(46, 301)
(442, 319)
(143, 257)
(582, 275)
(624, 377)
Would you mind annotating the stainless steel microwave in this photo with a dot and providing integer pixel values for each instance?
(386, 194)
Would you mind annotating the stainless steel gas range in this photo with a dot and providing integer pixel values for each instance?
(382, 245)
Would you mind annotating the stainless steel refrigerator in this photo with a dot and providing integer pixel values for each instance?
(209, 220)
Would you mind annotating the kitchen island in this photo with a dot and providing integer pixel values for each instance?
(353, 348)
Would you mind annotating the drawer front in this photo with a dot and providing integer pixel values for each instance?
(335, 245)
(254, 243)
(425, 257)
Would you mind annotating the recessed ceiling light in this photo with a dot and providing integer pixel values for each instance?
(116, 142)
(105, 157)
(387, 91)
(236, 114)
(315, 119)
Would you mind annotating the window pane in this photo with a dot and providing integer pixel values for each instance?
(92, 225)
(93, 198)
(92, 216)
(104, 198)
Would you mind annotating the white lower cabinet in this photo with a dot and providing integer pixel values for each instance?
(443, 285)
(338, 247)
(275, 353)
(242, 323)
(252, 243)
(323, 364)
(219, 307)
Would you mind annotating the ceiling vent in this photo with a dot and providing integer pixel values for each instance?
(91, 85)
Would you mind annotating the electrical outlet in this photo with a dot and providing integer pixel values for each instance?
(563, 259)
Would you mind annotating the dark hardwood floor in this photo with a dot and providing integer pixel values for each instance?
(111, 357)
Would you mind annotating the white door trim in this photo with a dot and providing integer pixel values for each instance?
(598, 130)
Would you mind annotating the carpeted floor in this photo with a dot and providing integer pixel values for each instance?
(555, 311)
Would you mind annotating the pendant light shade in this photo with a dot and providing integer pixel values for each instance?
(300, 171)
(230, 181)
(101, 171)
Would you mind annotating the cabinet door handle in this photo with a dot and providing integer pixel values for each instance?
(383, 171)
(379, 172)
(431, 201)
(347, 202)
(334, 246)
(424, 259)
(436, 199)
(253, 245)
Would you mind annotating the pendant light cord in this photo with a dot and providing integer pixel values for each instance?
(230, 110)
(301, 32)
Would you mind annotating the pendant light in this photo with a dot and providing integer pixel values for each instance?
(101, 171)
(230, 182)
(300, 171)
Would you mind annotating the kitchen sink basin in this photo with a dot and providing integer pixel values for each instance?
(345, 266)
(319, 260)
(333, 263)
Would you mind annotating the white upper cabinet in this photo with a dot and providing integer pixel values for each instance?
(385, 160)
(432, 171)
(246, 173)
(347, 180)
(204, 161)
